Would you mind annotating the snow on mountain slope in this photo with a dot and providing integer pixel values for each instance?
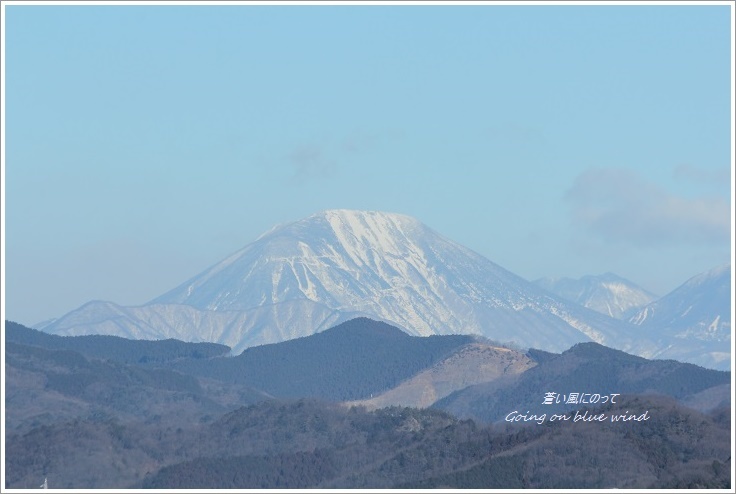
(693, 322)
(607, 293)
(301, 277)
(698, 309)
(237, 329)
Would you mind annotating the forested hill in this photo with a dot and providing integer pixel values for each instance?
(350, 361)
(585, 368)
(306, 444)
(114, 347)
(44, 387)
(88, 422)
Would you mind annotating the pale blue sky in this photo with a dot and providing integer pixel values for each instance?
(144, 144)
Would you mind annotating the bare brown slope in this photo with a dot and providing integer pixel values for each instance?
(471, 364)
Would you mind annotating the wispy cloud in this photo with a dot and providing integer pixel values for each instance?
(618, 205)
(324, 160)
(310, 163)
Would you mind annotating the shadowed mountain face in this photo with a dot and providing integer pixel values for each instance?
(350, 361)
(304, 277)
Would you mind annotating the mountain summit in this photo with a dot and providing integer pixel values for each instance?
(303, 277)
(340, 258)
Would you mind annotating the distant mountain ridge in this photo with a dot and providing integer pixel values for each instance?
(608, 293)
(304, 277)
(695, 319)
(700, 308)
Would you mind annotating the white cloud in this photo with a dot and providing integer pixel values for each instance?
(618, 205)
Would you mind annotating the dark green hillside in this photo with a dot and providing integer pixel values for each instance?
(347, 362)
(115, 348)
(584, 368)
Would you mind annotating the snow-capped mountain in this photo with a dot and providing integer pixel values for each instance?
(608, 293)
(303, 277)
(700, 308)
(697, 315)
